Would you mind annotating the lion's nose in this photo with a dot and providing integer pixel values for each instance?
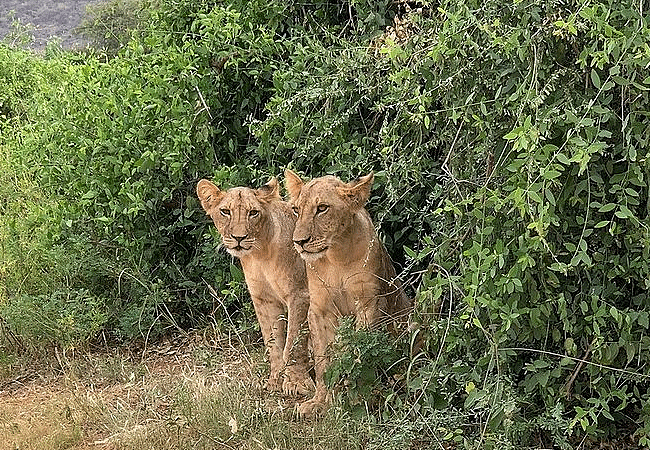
(239, 239)
(301, 242)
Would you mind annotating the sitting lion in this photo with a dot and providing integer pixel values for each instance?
(348, 268)
(256, 226)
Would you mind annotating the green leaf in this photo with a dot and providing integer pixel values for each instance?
(624, 212)
(583, 245)
(561, 157)
(570, 246)
(550, 197)
(411, 254)
(595, 79)
(551, 174)
(608, 85)
(514, 134)
(571, 117)
(607, 208)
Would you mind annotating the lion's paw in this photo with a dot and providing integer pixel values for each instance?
(312, 408)
(274, 384)
(298, 386)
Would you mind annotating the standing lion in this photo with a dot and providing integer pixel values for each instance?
(348, 268)
(256, 226)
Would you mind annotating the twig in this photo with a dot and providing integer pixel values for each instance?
(213, 439)
(5, 329)
(567, 389)
(205, 106)
(451, 150)
(216, 296)
(445, 166)
(559, 355)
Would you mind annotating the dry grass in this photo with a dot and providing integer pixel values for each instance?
(185, 395)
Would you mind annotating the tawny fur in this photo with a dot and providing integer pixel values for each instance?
(256, 226)
(348, 268)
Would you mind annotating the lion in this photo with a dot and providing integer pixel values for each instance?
(256, 226)
(348, 269)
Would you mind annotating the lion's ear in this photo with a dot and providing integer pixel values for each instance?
(209, 194)
(270, 191)
(293, 184)
(358, 192)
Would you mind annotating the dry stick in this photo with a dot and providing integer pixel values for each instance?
(11, 337)
(161, 314)
(213, 439)
(170, 318)
(205, 106)
(584, 361)
(576, 371)
(216, 296)
(445, 166)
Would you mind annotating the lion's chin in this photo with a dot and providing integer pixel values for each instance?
(311, 257)
(238, 251)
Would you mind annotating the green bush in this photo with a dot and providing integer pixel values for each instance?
(118, 144)
(365, 367)
(509, 142)
(108, 25)
(65, 319)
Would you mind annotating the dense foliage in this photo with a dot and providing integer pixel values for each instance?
(509, 140)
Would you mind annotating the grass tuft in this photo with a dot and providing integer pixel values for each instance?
(194, 397)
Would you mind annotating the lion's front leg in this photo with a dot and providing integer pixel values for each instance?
(270, 317)
(322, 326)
(369, 306)
(296, 356)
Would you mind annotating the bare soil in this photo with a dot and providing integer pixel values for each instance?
(97, 400)
(51, 19)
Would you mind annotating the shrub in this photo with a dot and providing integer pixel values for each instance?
(509, 142)
(65, 319)
(108, 25)
(365, 366)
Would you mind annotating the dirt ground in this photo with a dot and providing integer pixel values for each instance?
(50, 18)
(97, 400)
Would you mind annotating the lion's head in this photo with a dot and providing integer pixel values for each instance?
(240, 214)
(325, 208)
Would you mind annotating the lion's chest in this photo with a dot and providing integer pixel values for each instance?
(346, 292)
(264, 280)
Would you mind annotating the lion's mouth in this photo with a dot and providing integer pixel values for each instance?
(312, 255)
(320, 250)
(238, 249)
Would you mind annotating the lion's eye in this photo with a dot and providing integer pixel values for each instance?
(253, 213)
(322, 208)
(225, 212)
(295, 211)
